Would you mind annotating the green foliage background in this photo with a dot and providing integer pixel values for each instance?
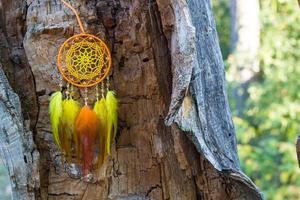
(267, 132)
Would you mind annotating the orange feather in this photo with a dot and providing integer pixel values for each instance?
(87, 126)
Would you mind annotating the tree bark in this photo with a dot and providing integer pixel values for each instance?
(165, 52)
(16, 144)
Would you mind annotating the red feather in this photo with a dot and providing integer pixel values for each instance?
(87, 126)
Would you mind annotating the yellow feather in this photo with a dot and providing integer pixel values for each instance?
(70, 110)
(112, 118)
(55, 112)
(101, 111)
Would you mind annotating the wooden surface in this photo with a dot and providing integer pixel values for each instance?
(163, 51)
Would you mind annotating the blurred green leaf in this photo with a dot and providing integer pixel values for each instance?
(267, 132)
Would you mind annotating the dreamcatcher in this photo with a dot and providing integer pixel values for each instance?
(84, 61)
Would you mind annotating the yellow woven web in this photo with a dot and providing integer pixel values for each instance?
(84, 60)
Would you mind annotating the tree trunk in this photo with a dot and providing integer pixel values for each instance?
(165, 52)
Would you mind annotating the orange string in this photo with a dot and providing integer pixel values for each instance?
(77, 15)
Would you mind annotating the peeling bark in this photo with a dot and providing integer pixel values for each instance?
(200, 107)
(17, 149)
(162, 51)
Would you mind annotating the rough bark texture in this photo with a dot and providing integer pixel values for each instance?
(17, 148)
(201, 108)
(153, 43)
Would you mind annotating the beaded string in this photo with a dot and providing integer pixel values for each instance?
(107, 83)
(102, 89)
(68, 91)
(97, 92)
(86, 98)
(60, 84)
(71, 92)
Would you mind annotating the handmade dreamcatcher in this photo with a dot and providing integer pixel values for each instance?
(84, 133)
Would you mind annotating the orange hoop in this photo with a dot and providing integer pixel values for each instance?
(84, 60)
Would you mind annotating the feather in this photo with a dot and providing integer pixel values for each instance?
(62, 138)
(101, 111)
(112, 118)
(55, 112)
(70, 109)
(87, 127)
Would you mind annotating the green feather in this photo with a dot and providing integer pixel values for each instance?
(55, 111)
(101, 111)
(112, 118)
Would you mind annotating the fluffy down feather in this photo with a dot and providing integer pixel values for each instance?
(112, 118)
(55, 112)
(87, 127)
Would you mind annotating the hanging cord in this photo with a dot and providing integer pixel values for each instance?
(86, 98)
(97, 92)
(71, 92)
(61, 85)
(102, 89)
(68, 91)
(107, 84)
(76, 13)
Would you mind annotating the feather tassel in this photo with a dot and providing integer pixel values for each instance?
(112, 118)
(101, 111)
(87, 127)
(55, 112)
(70, 109)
